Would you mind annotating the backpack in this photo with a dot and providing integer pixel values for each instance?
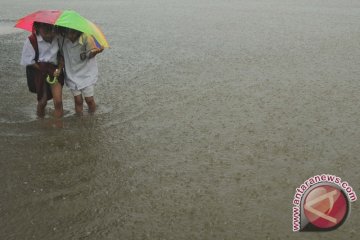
(30, 70)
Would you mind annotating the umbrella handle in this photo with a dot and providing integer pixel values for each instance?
(51, 82)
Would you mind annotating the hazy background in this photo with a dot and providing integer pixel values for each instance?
(211, 113)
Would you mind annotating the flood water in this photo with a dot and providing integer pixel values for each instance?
(211, 113)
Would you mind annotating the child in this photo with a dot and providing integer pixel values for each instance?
(44, 60)
(79, 50)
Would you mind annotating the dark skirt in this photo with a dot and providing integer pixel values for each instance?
(40, 79)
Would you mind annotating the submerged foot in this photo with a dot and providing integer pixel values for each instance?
(40, 112)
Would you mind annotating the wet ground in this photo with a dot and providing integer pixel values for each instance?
(210, 114)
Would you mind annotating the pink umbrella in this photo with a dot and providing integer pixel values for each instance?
(44, 16)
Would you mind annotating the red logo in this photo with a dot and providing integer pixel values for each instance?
(326, 207)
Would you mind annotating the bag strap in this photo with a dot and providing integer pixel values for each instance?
(34, 43)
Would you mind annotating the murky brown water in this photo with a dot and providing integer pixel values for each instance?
(211, 113)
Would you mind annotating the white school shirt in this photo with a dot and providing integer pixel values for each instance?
(47, 51)
(79, 73)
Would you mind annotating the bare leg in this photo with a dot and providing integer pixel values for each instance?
(40, 111)
(56, 90)
(91, 104)
(78, 104)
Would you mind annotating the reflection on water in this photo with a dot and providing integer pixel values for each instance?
(210, 113)
(56, 182)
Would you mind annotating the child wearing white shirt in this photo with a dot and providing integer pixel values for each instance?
(79, 50)
(45, 67)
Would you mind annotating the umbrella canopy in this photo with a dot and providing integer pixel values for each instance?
(44, 16)
(67, 18)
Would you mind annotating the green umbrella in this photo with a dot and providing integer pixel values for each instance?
(74, 20)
